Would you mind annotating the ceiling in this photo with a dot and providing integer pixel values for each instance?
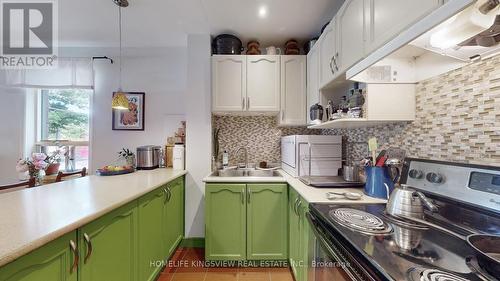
(156, 23)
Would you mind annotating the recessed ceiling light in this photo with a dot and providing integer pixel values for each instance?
(262, 11)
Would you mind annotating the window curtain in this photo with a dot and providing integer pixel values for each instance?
(73, 73)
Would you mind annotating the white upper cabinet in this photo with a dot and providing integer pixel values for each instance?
(312, 79)
(263, 83)
(351, 35)
(293, 91)
(389, 17)
(229, 83)
(327, 53)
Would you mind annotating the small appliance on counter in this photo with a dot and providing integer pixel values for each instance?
(178, 157)
(148, 157)
(314, 159)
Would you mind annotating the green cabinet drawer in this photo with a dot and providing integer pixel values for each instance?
(225, 215)
(108, 246)
(54, 261)
(267, 222)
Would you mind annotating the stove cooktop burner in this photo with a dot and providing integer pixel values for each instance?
(360, 221)
(426, 274)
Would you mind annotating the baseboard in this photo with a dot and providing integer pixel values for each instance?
(193, 242)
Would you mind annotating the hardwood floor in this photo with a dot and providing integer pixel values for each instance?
(187, 265)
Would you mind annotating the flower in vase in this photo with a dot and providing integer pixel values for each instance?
(22, 166)
(38, 157)
(40, 165)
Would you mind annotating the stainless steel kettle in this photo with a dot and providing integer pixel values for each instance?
(407, 202)
(316, 113)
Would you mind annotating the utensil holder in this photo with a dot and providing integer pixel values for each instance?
(376, 180)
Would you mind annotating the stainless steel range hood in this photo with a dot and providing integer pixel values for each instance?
(454, 35)
(471, 34)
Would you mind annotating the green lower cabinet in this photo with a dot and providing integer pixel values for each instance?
(108, 246)
(173, 211)
(246, 222)
(150, 213)
(225, 215)
(127, 244)
(267, 222)
(54, 262)
(299, 235)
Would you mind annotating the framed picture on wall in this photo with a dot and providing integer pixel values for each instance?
(131, 119)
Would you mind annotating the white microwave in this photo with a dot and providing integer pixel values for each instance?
(325, 158)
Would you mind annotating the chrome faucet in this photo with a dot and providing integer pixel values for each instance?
(246, 156)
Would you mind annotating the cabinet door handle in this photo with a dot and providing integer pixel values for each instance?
(248, 196)
(243, 103)
(331, 64)
(335, 61)
(295, 206)
(282, 115)
(242, 197)
(298, 206)
(169, 194)
(76, 256)
(89, 247)
(248, 103)
(166, 195)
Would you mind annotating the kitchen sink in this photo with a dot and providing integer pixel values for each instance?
(246, 172)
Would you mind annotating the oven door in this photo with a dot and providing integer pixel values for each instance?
(331, 260)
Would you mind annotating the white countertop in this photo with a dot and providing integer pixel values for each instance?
(309, 193)
(33, 217)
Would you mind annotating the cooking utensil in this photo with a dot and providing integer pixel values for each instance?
(486, 247)
(372, 147)
(407, 202)
(333, 195)
(227, 44)
(487, 250)
(395, 164)
(350, 173)
(316, 113)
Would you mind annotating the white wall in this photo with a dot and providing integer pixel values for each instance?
(198, 134)
(162, 77)
(11, 132)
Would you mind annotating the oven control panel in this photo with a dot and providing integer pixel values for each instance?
(485, 182)
(474, 184)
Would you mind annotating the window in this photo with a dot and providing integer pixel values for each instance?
(64, 126)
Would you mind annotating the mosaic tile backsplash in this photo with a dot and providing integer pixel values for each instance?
(259, 134)
(458, 119)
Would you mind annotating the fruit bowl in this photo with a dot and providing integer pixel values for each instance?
(114, 170)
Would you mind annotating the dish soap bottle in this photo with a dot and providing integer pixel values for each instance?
(225, 159)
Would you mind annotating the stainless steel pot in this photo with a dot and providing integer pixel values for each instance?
(350, 173)
(148, 157)
(407, 202)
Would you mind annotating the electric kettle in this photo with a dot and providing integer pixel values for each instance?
(316, 113)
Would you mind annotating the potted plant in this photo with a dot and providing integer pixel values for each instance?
(54, 162)
(128, 155)
(33, 166)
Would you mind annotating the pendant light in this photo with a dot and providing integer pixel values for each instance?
(120, 101)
